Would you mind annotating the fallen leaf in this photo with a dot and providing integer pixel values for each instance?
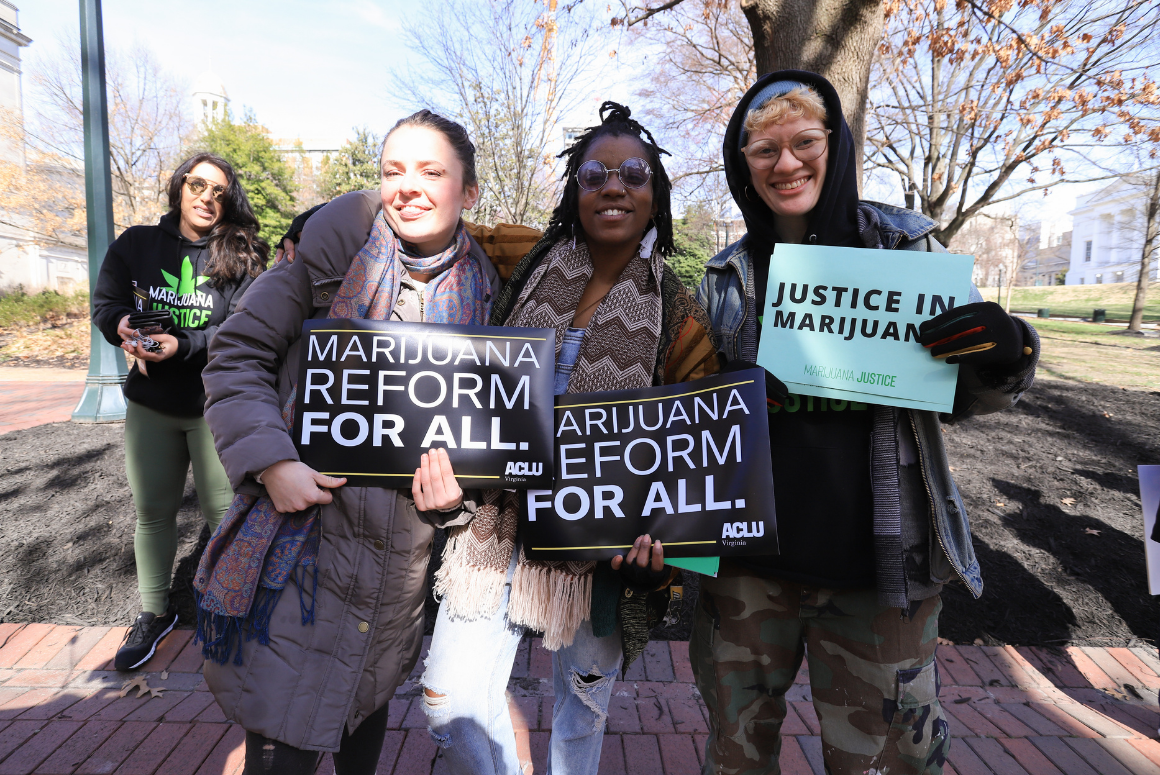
(978, 641)
(951, 468)
(1000, 503)
(1068, 501)
(164, 675)
(141, 684)
(1091, 532)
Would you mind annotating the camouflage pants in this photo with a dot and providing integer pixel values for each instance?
(872, 675)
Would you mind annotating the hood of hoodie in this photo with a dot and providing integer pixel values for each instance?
(834, 219)
(170, 223)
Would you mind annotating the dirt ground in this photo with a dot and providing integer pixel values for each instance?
(63, 345)
(1050, 486)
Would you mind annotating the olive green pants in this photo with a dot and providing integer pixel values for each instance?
(158, 451)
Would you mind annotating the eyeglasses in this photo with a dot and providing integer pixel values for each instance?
(806, 145)
(633, 173)
(197, 186)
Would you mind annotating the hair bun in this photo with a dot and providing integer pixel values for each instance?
(614, 110)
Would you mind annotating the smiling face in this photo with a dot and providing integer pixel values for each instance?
(200, 212)
(790, 187)
(615, 215)
(422, 188)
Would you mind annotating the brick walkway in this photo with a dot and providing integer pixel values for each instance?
(31, 397)
(1014, 711)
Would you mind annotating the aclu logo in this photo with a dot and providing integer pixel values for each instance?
(741, 530)
(523, 469)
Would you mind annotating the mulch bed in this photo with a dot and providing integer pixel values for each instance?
(67, 519)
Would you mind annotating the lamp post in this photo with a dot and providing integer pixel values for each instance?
(103, 399)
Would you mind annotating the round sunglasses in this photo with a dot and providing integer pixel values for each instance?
(633, 173)
(806, 145)
(197, 187)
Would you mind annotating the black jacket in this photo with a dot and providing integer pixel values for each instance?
(154, 267)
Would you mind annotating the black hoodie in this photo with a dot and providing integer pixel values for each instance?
(155, 267)
(820, 447)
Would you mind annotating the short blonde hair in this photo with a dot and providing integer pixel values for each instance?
(794, 104)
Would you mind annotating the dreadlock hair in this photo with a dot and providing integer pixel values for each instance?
(615, 119)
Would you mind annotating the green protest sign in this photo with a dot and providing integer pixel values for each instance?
(843, 323)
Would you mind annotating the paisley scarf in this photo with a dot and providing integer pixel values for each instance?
(256, 550)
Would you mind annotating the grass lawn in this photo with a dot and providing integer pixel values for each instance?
(1078, 301)
(1089, 352)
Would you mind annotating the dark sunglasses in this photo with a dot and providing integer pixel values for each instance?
(197, 186)
(633, 173)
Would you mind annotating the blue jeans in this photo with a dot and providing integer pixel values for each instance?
(470, 663)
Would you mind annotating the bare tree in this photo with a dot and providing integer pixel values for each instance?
(41, 193)
(994, 239)
(510, 69)
(985, 101)
(148, 125)
(835, 38)
(707, 66)
(1148, 249)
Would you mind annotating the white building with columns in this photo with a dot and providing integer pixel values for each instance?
(11, 98)
(1108, 234)
(27, 260)
(210, 101)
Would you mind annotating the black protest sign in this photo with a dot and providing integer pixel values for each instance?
(688, 464)
(373, 396)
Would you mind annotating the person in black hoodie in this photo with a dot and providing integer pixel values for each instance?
(870, 523)
(195, 264)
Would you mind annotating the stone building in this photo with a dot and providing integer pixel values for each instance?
(1047, 253)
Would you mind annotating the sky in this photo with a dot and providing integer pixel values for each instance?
(312, 69)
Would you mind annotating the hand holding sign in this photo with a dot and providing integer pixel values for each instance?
(295, 486)
(644, 569)
(981, 334)
(435, 487)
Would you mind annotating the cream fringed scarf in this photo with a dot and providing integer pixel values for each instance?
(619, 352)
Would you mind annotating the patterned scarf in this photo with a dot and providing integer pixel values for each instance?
(256, 550)
(619, 352)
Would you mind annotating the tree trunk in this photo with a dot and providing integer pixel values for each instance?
(1010, 286)
(1151, 229)
(835, 38)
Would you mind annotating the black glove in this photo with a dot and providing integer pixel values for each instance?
(776, 392)
(980, 334)
(643, 580)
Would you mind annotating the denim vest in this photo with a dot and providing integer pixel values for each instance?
(723, 295)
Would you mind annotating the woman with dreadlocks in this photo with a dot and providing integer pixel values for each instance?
(622, 320)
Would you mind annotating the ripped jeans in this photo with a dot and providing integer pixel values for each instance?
(469, 664)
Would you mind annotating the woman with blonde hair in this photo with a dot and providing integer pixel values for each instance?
(870, 523)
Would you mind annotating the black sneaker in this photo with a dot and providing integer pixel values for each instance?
(142, 639)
